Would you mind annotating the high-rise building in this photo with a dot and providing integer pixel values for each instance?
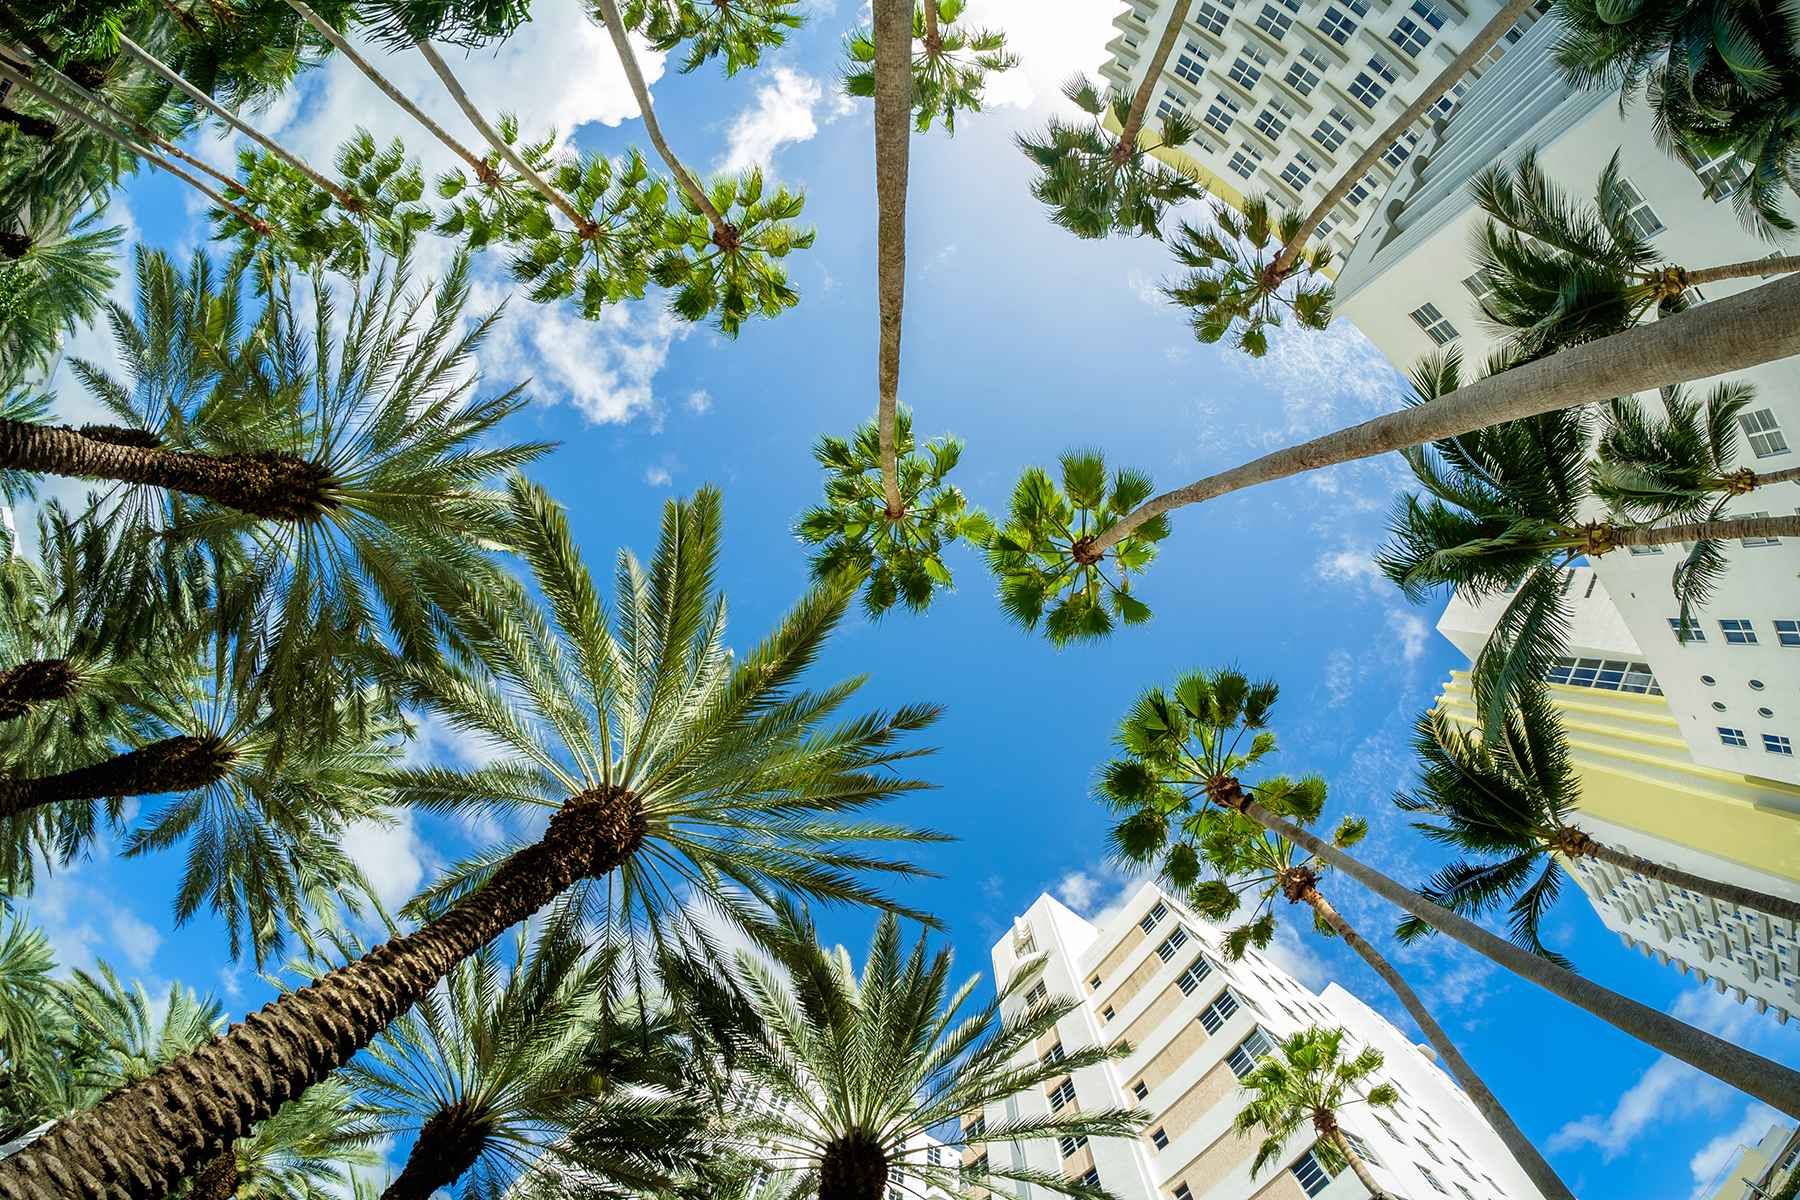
(1289, 93)
(1154, 976)
(1760, 1171)
(1642, 791)
(1733, 686)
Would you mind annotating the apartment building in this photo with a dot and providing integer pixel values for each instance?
(1154, 976)
(1759, 1171)
(1643, 791)
(1289, 93)
(1734, 685)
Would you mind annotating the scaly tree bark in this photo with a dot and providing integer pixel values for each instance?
(1576, 844)
(855, 1168)
(447, 1146)
(1752, 327)
(139, 1141)
(893, 146)
(176, 764)
(40, 681)
(218, 1179)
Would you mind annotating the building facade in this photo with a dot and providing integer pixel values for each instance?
(1643, 791)
(1760, 1171)
(1289, 93)
(1734, 685)
(1154, 976)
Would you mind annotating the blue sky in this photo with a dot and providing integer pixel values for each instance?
(1025, 342)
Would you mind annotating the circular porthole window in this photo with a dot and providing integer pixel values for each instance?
(1765, 712)
(1718, 706)
(1756, 685)
(1708, 680)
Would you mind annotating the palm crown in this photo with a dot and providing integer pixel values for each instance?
(1232, 285)
(1310, 1079)
(950, 64)
(741, 30)
(50, 291)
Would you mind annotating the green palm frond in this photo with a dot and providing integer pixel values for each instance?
(1230, 285)
(53, 289)
(1675, 468)
(1309, 1080)
(737, 272)
(947, 76)
(741, 30)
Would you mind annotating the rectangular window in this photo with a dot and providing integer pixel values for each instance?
(1273, 21)
(1140, 1089)
(1304, 72)
(1170, 105)
(1159, 1138)
(1244, 161)
(1247, 68)
(1172, 943)
(1401, 150)
(1437, 327)
(1094, 982)
(1332, 131)
(1732, 737)
(1191, 62)
(1776, 743)
(975, 1128)
(1738, 631)
(1212, 18)
(1763, 432)
(1062, 1094)
(1694, 632)
(1446, 104)
(1639, 551)
(1787, 633)
(1219, 1011)
(1336, 24)
(1758, 541)
(1273, 119)
(1070, 1143)
(1410, 36)
(1433, 1181)
(1157, 912)
(1310, 1175)
(1190, 978)
(1182, 1192)
(1638, 212)
(1037, 993)
(1479, 285)
(1244, 1058)
(1362, 190)
(1721, 176)
(1361, 1147)
(1426, 1146)
(1371, 83)
(1091, 1177)
(1299, 173)
(1107, 1013)
(1054, 1054)
(1221, 112)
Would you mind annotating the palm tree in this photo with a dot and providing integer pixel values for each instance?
(861, 1068)
(1046, 551)
(1724, 335)
(1512, 801)
(902, 560)
(665, 763)
(1181, 804)
(53, 288)
(1313, 1080)
(950, 65)
(741, 30)
(1720, 79)
(25, 986)
(1226, 261)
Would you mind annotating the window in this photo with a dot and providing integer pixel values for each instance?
(1436, 326)
(1190, 978)
(1763, 432)
(1159, 1139)
(1694, 632)
(1221, 112)
(1445, 104)
(1094, 983)
(1361, 1147)
(1721, 176)
(1054, 1054)
(1638, 551)
(1170, 105)
(1426, 1147)
(1758, 541)
(1212, 18)
(1738, 631)
(934, 1155)
(1037, 993)
(1775, 743)
(1172, 943)
(1157, 912)
(1787, 633)
(975, 1128)
(1107, 1013)
(1247, 68)
(1219, 1011)
(1756, 685)
(1363, 189)
(1273, 21)
(1336, 25)
(1244, 162)
(1433, 1181)
(1140, 1089)
(1062, 1094)
(1273, 119)
(1479, 285)
(1243, 1059)
(1070, 1143)
(1332, 131)
(1091, 1177)
(1371, 83)
(1611, 675)
(978, 1168)
(1638, 211)
(1191, 62)
(1299, 173)
(1413, 32)
(1310, 1175)
(1182, 1192)
(1765, 713)
(1732, 737)
(1303, 73)
(1401, 150)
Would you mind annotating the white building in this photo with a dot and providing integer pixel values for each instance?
(1410, 286)
(1289, 93)
(1642, 792)
(1154, 975)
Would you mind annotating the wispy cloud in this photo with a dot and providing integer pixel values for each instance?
(782, 113)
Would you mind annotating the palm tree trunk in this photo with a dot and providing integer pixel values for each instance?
(1773, 265)
(176, 764)
(1459, 66)
(218, 1179)
(1751, 1074)
(1576, 843)
(1752, 327)
(1608, 536)
(344, 198)
(723, 233)
(141, 1139)
(1542, 1175)
(893, 145)
(34, 682)
(272, 486)
(27, 124)
(481, 170)
(1140, 101)
(853, 1166)
(1357, 1165)
(447, 1146)
(934, 40)
(182, 18)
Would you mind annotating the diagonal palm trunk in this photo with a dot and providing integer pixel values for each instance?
(1357, 1165)
(1140, 100)
(1459, 66)
(1576, 844)
(1603, 537)
(176, 764)
(1752, 327)
(1542, 1175)
(27, 124)
(893, 145)
(139, 1141)
(447, 1146)
(34, 682)
(1750, 1073)
(270, 485)
(1751, 269)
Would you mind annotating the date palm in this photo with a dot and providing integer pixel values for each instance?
(1230, 287)
(49, 291)
(950, 64)
(1044, 556)
(1510, 803)
(1311, 1079)
(671, 770)
(860, 1067)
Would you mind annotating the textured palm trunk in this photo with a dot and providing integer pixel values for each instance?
(218, 1179)
(1751, 269)
(272, 486)
(13, 244)
(1752, 327)
(1459, 66)
(893, 145)
(28, 124)
(39, 681)
(1357, 1166)
(1543, 1176)
(1695, 531)
(1575, 843)
(176, 764)
(1750, 1073)
(139, 1141)
(853, 1167)
(934, 40)
(448, 1144)
(1140, 101)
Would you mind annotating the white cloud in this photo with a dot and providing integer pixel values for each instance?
(85, 921)
(1053, 40)
(1096, 892)
(1353, 565)
(1410, 631)
(136, 938)
(657, 476)
(699, 401)
(1147, 290)
(783, 113)
(605, 368)
(1323, 379)
(392, 857)
(1340, 676)
(1078, 890)
(1293, 954)
(1712, 1158)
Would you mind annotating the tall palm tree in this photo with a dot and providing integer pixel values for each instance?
(1511, 801)
(1311, 1079)
(669, 768)
(950, 65)
(1181, 804)
(53, 288)
(1724, 335)
(860, 1068)
(741, 30)
(1721, 80)
(1225, 260)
